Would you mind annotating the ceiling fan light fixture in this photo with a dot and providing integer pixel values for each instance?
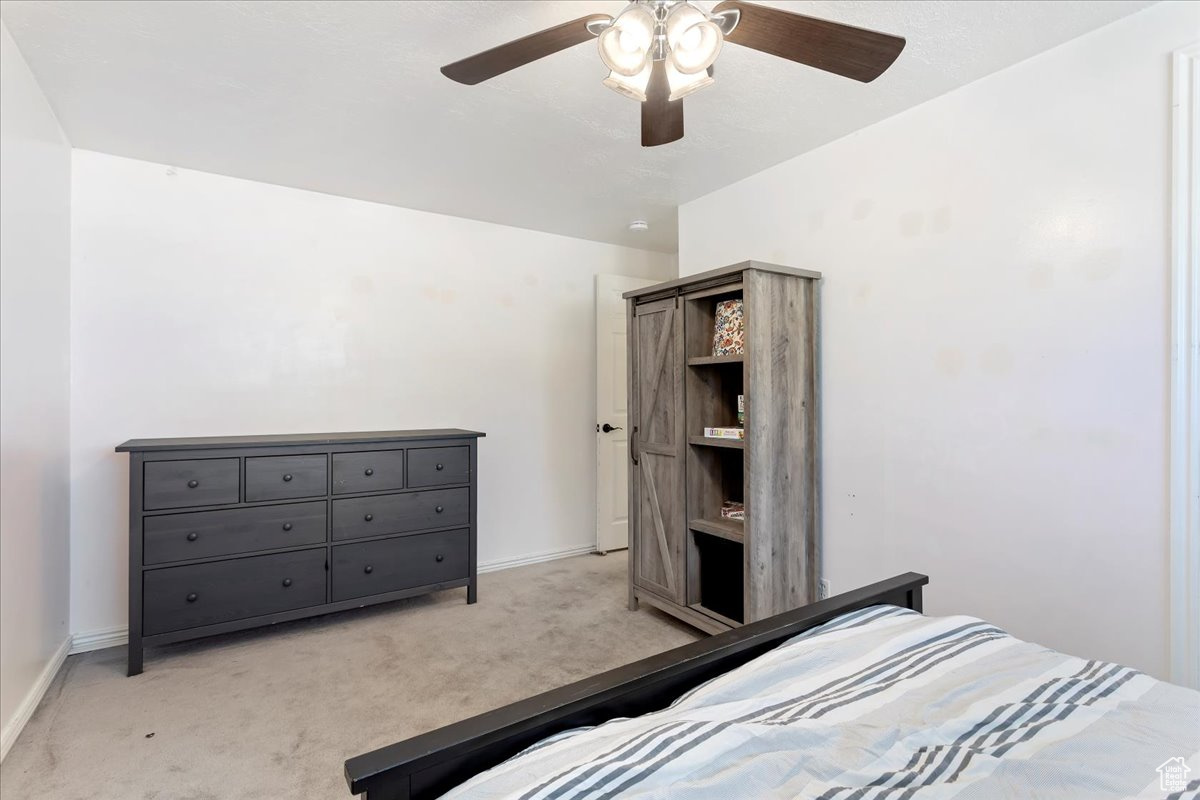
(631, 86)
(625, 45)
(658, 51)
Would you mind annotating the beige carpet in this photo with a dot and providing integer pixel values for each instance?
(273, 713)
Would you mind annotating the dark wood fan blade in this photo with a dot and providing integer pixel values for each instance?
(841, 49)
(490, 63)
(662, 119)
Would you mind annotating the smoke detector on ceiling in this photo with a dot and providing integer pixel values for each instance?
(639, 225)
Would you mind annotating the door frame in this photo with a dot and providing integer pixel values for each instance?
(633, 282)
(1185, 368)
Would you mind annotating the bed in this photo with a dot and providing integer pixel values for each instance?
(858, 696)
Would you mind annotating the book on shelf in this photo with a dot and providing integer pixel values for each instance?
(724, 433)
(741, 410)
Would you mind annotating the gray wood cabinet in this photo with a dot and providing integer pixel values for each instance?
(227, 533)
(685, 558)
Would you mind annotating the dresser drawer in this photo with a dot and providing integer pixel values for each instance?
(376, 470)
(286, 477)
(399, 513)
(439, 466)
(200, 534)
(389, 565)
(204, 594)
(194, 482)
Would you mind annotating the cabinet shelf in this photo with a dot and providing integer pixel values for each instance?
(712, 441)
(732, 529)
(719, 617)
(710, 361)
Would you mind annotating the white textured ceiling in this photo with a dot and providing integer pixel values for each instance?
(346, 98)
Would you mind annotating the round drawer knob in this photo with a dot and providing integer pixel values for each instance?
(192, 484)
(287, 582)
(368, 569)
(193, 536)
(368, 472)
(287, 526)
(287, 477)
(440, 467)
(368, 517)
(439, 509)
(193, 597)
(439, 558)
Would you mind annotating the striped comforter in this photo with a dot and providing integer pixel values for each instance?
(884, 703)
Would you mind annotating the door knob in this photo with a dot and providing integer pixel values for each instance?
(610, 428)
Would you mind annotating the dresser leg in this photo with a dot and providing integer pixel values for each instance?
(135, 657)
(471, 593)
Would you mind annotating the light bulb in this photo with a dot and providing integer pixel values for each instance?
(682, 84)
(631, 86)
(694, 40)
(625, 45)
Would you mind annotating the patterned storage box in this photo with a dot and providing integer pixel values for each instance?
(731, 509)
(729, 337)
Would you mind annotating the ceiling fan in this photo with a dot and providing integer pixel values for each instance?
(659, 51)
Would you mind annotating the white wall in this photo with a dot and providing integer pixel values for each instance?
(995, 337)
(35, 230)
(206, 305)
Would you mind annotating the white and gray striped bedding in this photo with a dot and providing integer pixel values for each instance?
(882, 703)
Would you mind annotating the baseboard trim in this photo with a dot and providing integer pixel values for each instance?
(119, 636)
(8, 736)
(536, 558)
(98, 640)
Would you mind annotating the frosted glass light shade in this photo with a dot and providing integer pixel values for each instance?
(693, 39)
(682, 84)
(625, 45)
(632, 86)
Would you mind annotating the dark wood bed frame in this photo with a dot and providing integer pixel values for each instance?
(431, 764)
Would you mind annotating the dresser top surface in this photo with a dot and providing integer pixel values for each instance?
(286, 439)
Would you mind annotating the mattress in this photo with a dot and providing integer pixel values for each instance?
(884, 703)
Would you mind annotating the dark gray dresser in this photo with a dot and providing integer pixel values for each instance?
(235, 532)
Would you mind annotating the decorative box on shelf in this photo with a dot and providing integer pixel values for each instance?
(729, 336)
(732, 509)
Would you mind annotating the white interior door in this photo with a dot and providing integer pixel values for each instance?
(612, 445)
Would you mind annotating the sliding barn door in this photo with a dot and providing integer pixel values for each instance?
(657, 449)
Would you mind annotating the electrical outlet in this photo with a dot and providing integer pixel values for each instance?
(823, 590)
